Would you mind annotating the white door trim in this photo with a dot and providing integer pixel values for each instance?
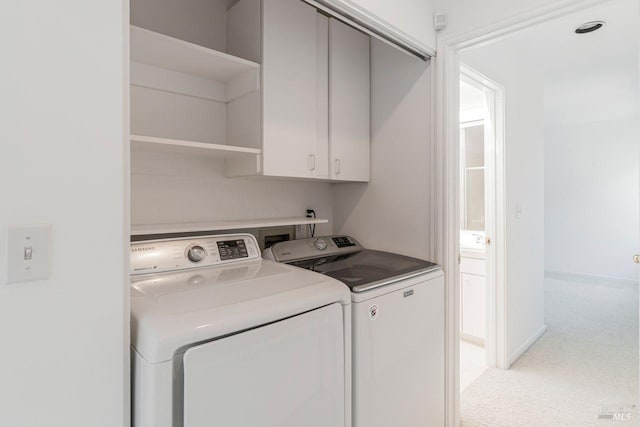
(446, 167)
(495, 221)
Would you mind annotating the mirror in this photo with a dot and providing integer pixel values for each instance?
(472, 180)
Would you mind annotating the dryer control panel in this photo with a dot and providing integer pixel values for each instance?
(157, 256)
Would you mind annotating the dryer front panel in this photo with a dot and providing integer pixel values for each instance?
(288, 373)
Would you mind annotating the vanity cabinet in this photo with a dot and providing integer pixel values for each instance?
(313, 109)
(473, 288)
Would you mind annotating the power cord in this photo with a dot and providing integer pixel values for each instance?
(312, 228)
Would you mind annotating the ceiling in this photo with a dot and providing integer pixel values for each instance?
(588, 76)
(560, 50)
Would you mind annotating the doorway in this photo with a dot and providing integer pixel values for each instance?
(480, 210)
(534, 89)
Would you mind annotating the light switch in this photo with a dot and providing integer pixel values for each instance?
(518, 211)
(28, 253)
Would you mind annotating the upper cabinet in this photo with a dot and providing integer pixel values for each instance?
(349, 103)
(292, 92)
(409, 22)
(313, 112)
(284, 91)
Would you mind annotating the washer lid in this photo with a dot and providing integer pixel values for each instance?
(367, 269)
(172, 311)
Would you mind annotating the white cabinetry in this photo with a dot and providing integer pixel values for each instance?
(315, 93)
(473, 299)
(173, 81)
(321, 158)
(349, 102)
(290, 97)
(290, 88)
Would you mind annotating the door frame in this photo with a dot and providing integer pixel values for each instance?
(446, 223)
(495, 220)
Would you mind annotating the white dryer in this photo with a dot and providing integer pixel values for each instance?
(220, 337)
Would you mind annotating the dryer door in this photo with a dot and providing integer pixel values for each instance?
(288, 373)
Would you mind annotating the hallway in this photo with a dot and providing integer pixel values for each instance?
(582, 372)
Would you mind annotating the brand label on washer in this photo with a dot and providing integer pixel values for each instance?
(373, 312)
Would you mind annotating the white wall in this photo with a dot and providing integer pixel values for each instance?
(591, 198)
(524, 152)
(170, 188)
(592, 175)
(62, 162)
(606, 91)
(393, 211)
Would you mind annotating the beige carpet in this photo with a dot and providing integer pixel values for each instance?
(582, 372)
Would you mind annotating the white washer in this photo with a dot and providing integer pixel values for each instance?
(398, 328)
(221, 337)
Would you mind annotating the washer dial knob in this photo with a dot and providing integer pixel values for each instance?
(196, 253)
(320, 244)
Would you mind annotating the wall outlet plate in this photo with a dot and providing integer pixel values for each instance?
(28, 253)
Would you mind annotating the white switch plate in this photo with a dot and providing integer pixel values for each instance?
(518, 211)
(23, 242)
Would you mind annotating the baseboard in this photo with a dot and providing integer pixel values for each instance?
(590, 278)
(526, 345)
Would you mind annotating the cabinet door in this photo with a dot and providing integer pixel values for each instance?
(289, 87)
(321, 167)
(473, 305)
(349, 103)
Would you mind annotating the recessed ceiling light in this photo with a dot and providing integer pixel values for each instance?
(589, 27)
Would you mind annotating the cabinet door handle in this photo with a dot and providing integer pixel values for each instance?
(311, 162)
(336, 167)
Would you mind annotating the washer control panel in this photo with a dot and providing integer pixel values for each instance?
(343, 241)
(314, 247)
(157, 256)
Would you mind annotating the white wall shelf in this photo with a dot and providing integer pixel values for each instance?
(151, 143)
(141, 230)
(162, 62)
